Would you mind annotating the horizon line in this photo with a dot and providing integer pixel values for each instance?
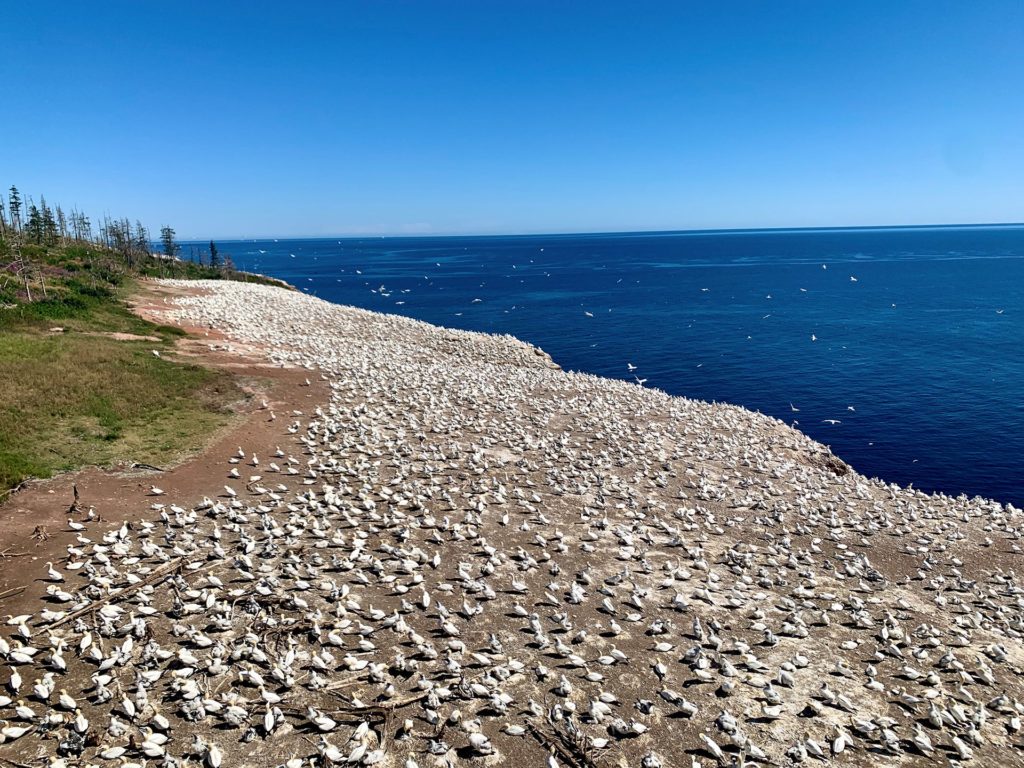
(710, 231)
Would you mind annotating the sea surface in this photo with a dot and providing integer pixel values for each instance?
(901, 348)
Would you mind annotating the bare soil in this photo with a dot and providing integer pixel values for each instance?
(34, 520)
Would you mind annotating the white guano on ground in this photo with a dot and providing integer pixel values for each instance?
(470, 557)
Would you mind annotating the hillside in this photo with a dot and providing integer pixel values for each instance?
(85, 381)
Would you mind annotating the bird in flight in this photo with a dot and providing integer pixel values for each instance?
(831, 421)
(630, 366)
(813, 337)
(793, 408)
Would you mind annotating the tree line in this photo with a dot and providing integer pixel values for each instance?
(23, 222)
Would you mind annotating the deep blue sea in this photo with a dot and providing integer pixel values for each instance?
(912, 339)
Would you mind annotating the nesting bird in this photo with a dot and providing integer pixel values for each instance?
(472, 556)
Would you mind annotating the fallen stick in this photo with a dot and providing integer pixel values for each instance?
(565, 744)
(11, 592)
(551, 744)
(139, 465)
(16, 488)
(389, 706)
(348, 681)
(164, 570)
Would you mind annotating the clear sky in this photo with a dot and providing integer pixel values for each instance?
(290, 119)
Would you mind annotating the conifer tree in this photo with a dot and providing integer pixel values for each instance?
(141, 239)
(84, 226)
(214, 257)
(15, 206)
(47, 224)
(62, 225)
(34, 226)
(167, 240)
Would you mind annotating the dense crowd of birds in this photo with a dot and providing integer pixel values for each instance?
(467, 555)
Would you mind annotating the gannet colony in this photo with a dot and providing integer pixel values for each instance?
(469, 556)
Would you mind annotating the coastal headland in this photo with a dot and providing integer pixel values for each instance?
(422, 546)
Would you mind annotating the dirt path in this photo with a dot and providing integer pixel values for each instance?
(34, 521)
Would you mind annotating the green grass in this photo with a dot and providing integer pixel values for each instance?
(79, 397)
(68, 400)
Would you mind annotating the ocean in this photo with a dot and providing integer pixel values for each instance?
(900, 348)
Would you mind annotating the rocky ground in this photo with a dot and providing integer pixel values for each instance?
(466, 555)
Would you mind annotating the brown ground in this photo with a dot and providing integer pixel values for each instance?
(34, 521)
(575, 445)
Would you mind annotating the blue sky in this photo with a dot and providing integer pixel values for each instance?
(278, 119)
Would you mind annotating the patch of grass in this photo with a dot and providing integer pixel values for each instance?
(68, 400)
(79, 397)
(75, 305)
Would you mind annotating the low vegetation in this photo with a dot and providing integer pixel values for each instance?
(83, 380)
(74, 399)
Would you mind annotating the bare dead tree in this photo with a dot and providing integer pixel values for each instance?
(20, 263)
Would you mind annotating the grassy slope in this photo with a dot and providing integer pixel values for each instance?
(80, 397)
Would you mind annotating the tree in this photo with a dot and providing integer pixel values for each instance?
(214, 258)
(34, 225)
(141, 238)
(120, 233)
(83, 227)
(62, 225)
(15, 207)
(47, 223)
(106, 232)
(167, 240)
